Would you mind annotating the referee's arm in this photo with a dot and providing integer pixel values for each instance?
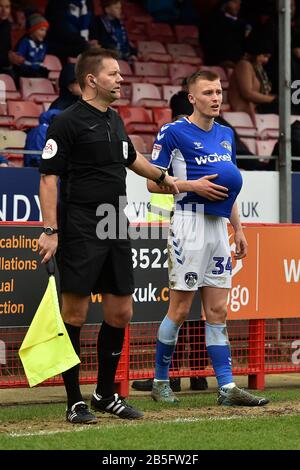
(142, 167)
(48, 200)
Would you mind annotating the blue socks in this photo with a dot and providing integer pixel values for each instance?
(166, 342)
(218, 348)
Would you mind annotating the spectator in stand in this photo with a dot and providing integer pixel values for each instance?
(7, 56)
(224, 35)
(69, 27)
(109, 31)
(249, 86)
(69, 89)
(32, 48)
(36, 138)
(69, 92)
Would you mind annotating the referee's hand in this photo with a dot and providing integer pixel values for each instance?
(48, 246)
(211, 191)
(169, 184)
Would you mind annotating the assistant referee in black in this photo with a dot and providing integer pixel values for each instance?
(87, 152)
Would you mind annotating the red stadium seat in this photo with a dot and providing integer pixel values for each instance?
(146, 94)
(153, 51)
(265, 147)
(26, 113)
(184, 53)
(241, 122)
(148, 141)
(187, 34)
(180, 71)
(162, 116)
(37, 89)
(169, 90)
(138, 143)
(5, 119)
(53, 64)
(152, 72)
(267, 126)
(160, 32)
(126, 72)
(250, 144)
(11, 140)
(8, 89)
(137, 119)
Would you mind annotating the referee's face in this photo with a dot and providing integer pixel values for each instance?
(206, 97)
(109, 80)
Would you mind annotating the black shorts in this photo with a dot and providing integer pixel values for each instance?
(87, 264)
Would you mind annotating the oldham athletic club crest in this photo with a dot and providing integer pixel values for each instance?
(226, 145)
(191, 279)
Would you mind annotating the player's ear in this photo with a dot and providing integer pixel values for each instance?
(191, 98)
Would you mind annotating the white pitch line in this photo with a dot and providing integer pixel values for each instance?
(93, 427)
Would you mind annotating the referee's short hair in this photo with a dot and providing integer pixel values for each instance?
(90, 61)
(209, 75)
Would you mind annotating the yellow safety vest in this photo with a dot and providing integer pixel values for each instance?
(160, 207)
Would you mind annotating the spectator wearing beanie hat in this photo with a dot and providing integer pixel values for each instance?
(32, 48)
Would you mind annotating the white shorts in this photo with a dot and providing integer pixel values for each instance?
(198, 252)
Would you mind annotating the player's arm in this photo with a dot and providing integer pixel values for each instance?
(204, 187)
(48, 201)
(142, 167)
(241, 245)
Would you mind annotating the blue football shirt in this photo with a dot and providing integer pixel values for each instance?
(189, 153)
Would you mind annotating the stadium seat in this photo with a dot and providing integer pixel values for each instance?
(184, 53)
(187, 34)
(138, 143)
(180, 71)
(162, 116)
(148, 141)
(153, 51)
(152, 72)
(160, 32)
(265, 147)
(169, 90)
(220, 71)
(11, 140)
(241, 122)
(136, 31)
(5, 119)
(267, 126)
(146, 94)
(37, 89)
(53, 64)
(137, 119)
(25, 113)
(8, 89)
(126, 72)
(250, 144)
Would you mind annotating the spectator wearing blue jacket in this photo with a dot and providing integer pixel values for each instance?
(109, 32)
(33, 49)
(36, 138)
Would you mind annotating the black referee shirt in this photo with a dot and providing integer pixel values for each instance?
(89, 150)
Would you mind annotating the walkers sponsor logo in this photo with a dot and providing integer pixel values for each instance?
(191, 279)
(50, 149)
(213, 158)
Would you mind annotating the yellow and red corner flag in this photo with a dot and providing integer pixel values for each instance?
(47, 349)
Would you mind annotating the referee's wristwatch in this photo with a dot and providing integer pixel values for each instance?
(50, 230)
(161, 178)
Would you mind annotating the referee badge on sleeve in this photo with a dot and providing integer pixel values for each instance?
(50, 149)
(125, 149)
